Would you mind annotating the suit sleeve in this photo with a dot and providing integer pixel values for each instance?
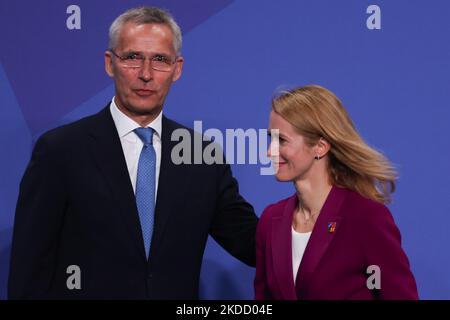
(234, 224)
(262, 291)
(383, 249)
(38, 221)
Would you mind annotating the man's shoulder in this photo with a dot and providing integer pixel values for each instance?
(172, 125)
(179, 131)
(73, 131)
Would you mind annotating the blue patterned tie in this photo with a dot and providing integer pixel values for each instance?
(145, 185)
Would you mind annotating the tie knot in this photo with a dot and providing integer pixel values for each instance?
(145, 134)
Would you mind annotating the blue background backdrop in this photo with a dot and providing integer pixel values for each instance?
(394, 82)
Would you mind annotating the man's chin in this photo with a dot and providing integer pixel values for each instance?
(142, 108)
(146, 111)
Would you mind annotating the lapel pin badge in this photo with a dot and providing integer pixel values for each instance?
(331, 227)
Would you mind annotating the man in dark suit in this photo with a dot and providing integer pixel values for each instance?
(103, 210)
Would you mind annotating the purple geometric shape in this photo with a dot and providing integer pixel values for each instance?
(52, 69)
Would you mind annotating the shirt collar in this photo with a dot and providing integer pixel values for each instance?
(125, 125)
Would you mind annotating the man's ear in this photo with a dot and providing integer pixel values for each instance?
(178, 69)
(108, 64)
(322, 147)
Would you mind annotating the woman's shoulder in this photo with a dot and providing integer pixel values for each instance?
(277, 208)
(364, 208)
(274, 211)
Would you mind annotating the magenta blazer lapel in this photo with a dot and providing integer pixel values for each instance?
(325, 229)
(281, 237)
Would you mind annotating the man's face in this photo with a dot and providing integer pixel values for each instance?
(142, 91)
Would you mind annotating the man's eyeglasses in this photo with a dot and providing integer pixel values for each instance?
(136, 60)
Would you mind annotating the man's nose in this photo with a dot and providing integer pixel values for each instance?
(146, 71)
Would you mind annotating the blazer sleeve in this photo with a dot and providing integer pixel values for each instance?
(262, 291)
(234, 224)
(38, 220)
(383, 249)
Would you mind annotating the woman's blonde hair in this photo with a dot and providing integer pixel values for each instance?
(317, 113)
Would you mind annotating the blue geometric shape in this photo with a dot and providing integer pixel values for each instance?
(15, 141)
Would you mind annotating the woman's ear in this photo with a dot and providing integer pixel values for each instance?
(321, 149)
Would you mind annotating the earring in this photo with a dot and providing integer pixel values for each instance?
(317, 157)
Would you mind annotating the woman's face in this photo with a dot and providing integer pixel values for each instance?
(295, 158)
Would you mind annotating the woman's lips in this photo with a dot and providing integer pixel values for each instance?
(280, 164)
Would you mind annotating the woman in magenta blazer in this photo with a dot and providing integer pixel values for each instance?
(334, 238)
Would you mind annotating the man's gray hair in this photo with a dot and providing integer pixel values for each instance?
(145, 15)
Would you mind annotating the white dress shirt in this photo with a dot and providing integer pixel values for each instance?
(299, 243)
(132, 144)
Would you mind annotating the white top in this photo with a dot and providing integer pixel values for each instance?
(299, 242)
(132, 144)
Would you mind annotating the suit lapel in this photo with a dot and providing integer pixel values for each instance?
(325, 229)
(107, 151)
(282, 249)
(172, 181)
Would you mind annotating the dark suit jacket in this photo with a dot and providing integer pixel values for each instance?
(334, 265)
(77, 207)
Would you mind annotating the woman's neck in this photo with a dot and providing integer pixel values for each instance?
(312, 195)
